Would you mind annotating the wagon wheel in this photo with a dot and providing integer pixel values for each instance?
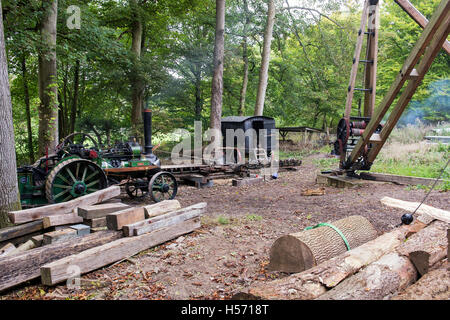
(73, 178)
(163, 186)
(137, 189)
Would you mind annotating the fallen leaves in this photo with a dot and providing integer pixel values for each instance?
(314, 192)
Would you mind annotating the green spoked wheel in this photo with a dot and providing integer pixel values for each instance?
(163, 186)
(73, 178)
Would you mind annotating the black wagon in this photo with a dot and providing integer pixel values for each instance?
(259, 128)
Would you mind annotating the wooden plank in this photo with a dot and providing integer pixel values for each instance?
(168, 222)
(96, 222)
(419, 18)
(59, 235)
(410, 206)
(128, 230)
(20, 230)
(63, 207)
(61, 219)
(116, 220)
(100, 210)
(106, 254)
(9, 247)
(162, 207)
(18, 241)
(26, 266)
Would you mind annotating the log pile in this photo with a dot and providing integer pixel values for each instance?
(89, 232)
(394, 265)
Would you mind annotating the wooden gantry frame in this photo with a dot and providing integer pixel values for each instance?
(433, 38)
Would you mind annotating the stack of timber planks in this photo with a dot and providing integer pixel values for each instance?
(89, 232)
(398, 265)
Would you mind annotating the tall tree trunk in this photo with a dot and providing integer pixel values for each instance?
(198, 94)
(74, 106)
(26, 94)
(9, 193)
(245, 59)
(137, 86)
(264, 71)
(48, 91)
(63, 117)
(217, 81)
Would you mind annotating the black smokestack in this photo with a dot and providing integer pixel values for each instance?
(147, 116)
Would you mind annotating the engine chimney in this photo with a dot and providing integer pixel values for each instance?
(147, 116)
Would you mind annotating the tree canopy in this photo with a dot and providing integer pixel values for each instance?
(161, 52)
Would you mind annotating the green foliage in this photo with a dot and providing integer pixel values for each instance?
(308, 73)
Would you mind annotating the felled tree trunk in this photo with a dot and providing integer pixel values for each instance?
(426, 247)
(303, 250)
(384, 277)
(432, 286)
(394, 271)
(314, 282)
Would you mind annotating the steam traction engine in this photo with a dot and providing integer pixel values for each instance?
(78, 167)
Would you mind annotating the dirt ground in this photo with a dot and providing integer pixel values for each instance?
(231, 250)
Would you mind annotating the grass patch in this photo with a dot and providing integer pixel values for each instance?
(253, 217)
(326, 163)
(223, 220)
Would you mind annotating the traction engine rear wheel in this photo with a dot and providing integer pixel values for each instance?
(73, 178)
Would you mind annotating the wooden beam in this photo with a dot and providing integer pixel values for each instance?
(162, 207)
(410, 206)
(129, 230)
(100, 210)
(61, 219)
(419, 18)
(116, 220)
(23, 247)
(423, 67)
(405, 180)
(63, 207)
(20, 230)
(59, 235)
(106, 254)
(438, 20)
(9, 247)
(95, 223)
(38, 240)
(26, 266)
